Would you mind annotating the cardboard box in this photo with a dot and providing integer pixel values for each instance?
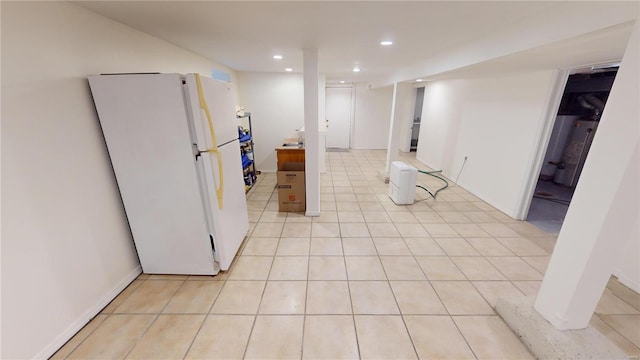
(291, 187)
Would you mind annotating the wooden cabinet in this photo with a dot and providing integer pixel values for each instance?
(291, 187)
(287, 154)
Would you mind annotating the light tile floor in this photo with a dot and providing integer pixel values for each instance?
(366, 279)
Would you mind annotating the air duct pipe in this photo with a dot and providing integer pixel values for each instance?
(590, 101)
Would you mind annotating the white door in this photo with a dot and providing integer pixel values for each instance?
(229, 217)
(338, 112)
(221, 106)
(223, 178)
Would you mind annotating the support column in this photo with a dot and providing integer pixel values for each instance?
(391, 155)
(322, 118)
(312, 158)
(400, 108)
(603, 210)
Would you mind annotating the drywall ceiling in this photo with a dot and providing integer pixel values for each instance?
(600, 47)
(244, 35)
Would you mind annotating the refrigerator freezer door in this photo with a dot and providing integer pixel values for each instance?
(231, 220)
(220, 102)
(144, 121)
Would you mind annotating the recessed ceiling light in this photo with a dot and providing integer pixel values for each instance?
(341, 81)
(386, 43)
(418, 80)
(356, 69)
(288, 69)
(277, 57)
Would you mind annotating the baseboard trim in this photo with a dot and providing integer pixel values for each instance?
(62, 339)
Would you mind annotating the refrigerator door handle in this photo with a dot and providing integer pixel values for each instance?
(221, 172)
(214, 149)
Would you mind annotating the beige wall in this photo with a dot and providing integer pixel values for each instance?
(66, 245)
(495, 123)
(372, 117)
(276, 103)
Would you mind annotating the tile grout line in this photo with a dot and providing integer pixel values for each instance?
(306, 294)
(475, 287)
(471, 281)
(616, 329)
(344, 259)
(255, 318)
(449, 315)
(438, 295)
(206, 316)
(386, 275)
(625, 301)
(83, 340)
(353, 315)
(141, 335)
(154, 320)
(413, 345)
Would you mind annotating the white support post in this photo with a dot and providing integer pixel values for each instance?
(603, 210)
(322, 123)
(400, 109)
(391, 155)
(312, 158)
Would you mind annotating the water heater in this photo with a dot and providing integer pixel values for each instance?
(575, 152)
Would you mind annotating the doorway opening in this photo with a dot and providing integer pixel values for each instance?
(417, 115)
(575, 126)
(339, 115)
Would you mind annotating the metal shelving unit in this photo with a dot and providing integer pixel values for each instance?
(247, 155)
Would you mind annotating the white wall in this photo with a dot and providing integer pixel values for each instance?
(603, 214)
(276, 103)
(322, 97)
(627, 268)
(67, 249)
(494, 122)
(372, 117)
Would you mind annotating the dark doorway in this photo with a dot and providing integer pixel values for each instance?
(417, 115)
(576, 124)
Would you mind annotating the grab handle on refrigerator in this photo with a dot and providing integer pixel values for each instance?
(214, 149)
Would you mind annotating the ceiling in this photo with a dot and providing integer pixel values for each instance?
(603, 47)
(244, 35)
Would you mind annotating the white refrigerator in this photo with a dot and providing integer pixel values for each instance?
(173, 144)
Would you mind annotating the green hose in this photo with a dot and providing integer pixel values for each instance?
(427, 190)
(431, 173)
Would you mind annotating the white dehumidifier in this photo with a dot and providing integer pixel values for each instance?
(402, 183)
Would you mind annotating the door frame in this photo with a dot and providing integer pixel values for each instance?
(352, 110)
(557, 87)
(407, 126)
(552, 105)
